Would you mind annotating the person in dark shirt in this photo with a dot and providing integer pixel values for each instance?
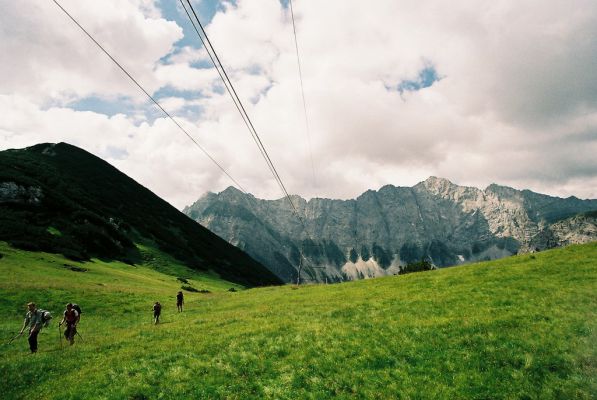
(157, 311)
(179, 301)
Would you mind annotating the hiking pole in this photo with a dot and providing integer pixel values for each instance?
(12, 340)
(60, 334)
(80, 335)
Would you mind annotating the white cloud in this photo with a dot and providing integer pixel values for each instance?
(517, 104)
(184, 77)
(188, 55)
(52, 60)
(158, 154)
(172, 104)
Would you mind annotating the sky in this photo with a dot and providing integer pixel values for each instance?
(477, 92)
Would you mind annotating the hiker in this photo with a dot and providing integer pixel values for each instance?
(157, 310)
(34, 319)
(71, 319)
(179, 301)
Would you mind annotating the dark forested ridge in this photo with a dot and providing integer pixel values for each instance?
(60, 198)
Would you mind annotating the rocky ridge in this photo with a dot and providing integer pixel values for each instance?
(380, 231)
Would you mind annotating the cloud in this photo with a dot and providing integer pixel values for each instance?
(176, 172)
(172, 104)
(183, 77)
(188, 55)
(478, 92)
(52, 60)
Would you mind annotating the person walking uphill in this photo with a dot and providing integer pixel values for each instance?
(157, 310)
(34, 319)
(179, 301)
(71, 319)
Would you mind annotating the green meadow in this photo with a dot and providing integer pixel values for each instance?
(524, 327)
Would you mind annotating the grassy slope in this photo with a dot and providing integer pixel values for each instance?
(88, 208)
(517, 328)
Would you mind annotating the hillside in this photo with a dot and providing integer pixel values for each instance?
(380, 231)
(62, 199)
(522, 327)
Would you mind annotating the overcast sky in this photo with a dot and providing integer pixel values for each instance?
(396, 90)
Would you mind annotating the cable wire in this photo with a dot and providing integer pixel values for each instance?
(239, 105)
(232, 91)
(151, 97)
(307, 125)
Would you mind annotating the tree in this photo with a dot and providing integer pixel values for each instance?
(353, 256)
(365, 255)
(423, 265)
(410, 252)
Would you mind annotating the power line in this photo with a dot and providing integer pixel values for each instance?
(223, 76)
(241, 109)
(298, 60)
(235, 98)
(231, 90)
(150, 97)
(307, 125)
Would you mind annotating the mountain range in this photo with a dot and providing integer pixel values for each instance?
(59, 198)
(381, 231)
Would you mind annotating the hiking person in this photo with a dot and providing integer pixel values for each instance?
(179, 301)
(34, 319)
(71, 319)
(157, 310)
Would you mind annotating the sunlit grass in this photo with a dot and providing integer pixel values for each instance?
(522, 327)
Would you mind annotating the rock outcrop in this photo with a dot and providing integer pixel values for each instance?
(380, 231)
(11, 192)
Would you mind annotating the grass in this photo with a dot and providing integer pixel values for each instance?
(63, 212)
(518, 328)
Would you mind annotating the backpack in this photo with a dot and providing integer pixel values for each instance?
(78, 308)
(46, 317)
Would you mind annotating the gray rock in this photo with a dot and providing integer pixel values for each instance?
(11, 192)
(380, 231)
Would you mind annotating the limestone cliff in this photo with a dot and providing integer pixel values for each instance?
(379, 231)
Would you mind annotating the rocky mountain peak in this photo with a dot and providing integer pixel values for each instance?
(502, 191)
(231, 191)
(381, 231)
(235, 195)
(438, 185)
(445, 189)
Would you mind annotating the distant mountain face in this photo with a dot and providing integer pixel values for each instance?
(380, 231)
(59, 198)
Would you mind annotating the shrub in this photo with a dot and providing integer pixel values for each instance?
(410, 252)
(75, 268)
(353, 257)
(423, 265)
(192, 289)
(365, 255)
(383, 257)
